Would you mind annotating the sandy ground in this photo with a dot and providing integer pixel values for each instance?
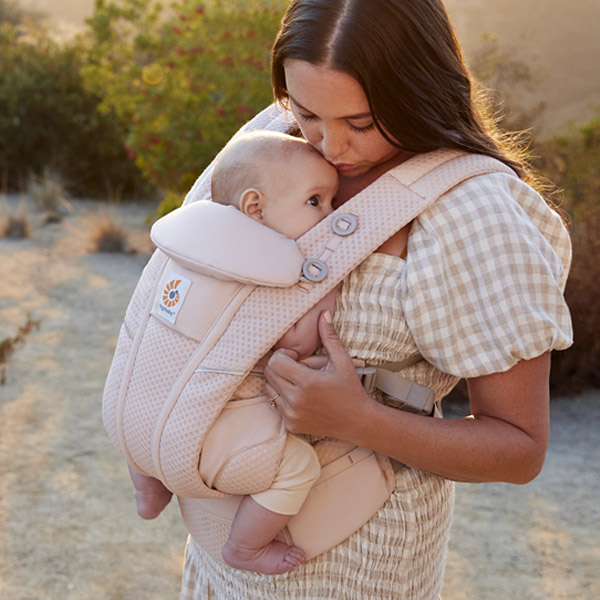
(69, 530)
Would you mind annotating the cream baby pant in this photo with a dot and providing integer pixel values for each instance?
(235, 429)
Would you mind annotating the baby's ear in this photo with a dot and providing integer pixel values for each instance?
(251, 203)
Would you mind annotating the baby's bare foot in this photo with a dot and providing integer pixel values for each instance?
(273, 559)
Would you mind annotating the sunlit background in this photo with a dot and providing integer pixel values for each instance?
(557, 40)
(102, 134)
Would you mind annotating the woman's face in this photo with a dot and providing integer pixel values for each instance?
(333, 113)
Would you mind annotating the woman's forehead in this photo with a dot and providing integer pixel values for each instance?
(323, 91)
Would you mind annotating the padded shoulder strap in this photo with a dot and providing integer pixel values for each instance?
(356, 229)
(333, 248)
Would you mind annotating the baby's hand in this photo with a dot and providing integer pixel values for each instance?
(320, 395)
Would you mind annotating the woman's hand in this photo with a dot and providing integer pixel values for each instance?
(320, 399)
(503, 440)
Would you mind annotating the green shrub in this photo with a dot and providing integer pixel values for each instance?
(170, 202)
(48, 119)
(504, 78)
(10, 12)
(184, 77)
(573, 163)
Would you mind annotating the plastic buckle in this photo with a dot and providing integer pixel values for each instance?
(344, 224)
(368, 377)
(314, 270)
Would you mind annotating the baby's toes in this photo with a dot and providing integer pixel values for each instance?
(295, 556)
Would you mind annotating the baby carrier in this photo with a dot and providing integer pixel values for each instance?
(199, 320)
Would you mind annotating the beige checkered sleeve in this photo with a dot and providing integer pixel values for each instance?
(485, 275)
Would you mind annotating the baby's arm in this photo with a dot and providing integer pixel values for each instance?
(303, 336)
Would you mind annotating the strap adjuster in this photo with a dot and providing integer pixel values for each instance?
(344, 224)
(398, 391)
(368, 378)
(314, 270)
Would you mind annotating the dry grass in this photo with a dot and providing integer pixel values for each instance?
(9, 345)
(108, 234)
(49, 194)
(15, 226)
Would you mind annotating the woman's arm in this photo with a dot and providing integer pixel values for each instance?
(504, 439)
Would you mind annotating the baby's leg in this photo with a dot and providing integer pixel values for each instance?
(252, 546)
(151, 496)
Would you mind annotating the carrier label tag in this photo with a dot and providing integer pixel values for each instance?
(172, 296)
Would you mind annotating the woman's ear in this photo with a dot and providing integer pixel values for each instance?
(251, 202)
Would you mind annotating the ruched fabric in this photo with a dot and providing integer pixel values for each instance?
(397, 554)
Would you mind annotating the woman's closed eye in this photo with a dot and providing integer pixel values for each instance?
(364, 129)
(306, 117)
(356, 128)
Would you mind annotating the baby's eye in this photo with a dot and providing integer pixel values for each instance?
(314, 200)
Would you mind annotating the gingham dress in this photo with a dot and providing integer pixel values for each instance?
(481, 288)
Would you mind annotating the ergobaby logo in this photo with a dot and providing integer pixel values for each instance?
(172, 296)
(171, 293)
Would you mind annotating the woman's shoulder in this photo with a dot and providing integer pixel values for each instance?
(500, 193)
(486, 269)
(495, 204)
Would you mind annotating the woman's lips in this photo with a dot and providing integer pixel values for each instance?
(343, 168)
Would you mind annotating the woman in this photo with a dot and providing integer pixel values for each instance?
(474, 284)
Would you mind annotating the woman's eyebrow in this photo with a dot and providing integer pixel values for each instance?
(357, 116)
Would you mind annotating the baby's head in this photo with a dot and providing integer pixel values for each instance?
(279, 180)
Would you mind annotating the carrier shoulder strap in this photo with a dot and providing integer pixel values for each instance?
(333, 248)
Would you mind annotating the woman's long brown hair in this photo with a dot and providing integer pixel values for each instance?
(406, 57)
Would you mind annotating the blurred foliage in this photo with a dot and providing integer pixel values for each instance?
(184, 76)
(572, 162)
(170, 202)
(10, 12)
(49, 195)
(504, 78)
(571, 165)
(154, 91)
(48, 118)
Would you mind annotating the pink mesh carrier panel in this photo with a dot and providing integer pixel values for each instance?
(201, 317)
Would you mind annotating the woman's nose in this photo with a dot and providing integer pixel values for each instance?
(333, 143)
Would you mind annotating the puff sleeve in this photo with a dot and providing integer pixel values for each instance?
(485, 276)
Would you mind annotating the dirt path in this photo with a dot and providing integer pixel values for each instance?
(69, 530)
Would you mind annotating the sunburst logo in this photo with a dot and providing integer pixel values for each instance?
(171, 295)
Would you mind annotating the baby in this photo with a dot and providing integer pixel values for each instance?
(285, 184)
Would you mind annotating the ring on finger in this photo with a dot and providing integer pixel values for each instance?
(271, 401)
